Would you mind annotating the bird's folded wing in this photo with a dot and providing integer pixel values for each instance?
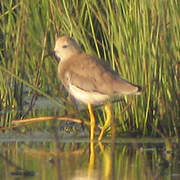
(91, 75)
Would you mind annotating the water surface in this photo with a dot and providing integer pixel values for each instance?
(50, 158)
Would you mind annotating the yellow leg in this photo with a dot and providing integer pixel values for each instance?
(109, 118)
(92, 122)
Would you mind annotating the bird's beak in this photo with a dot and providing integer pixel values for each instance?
(53, 54)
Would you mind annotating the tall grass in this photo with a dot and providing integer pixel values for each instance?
(140, 39)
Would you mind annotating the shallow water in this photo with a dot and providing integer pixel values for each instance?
(34, 158)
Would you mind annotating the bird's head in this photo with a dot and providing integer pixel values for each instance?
(65, 47)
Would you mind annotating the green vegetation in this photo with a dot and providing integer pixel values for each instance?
(139, 38)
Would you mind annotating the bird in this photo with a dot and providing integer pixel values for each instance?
(90, 80)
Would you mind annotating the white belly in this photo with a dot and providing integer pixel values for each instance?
(87, 97)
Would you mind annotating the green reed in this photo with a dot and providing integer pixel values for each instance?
(139, 39)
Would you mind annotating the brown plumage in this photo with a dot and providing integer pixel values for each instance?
(86, 77)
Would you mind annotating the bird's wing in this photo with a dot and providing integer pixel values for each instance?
(89, 74)
(92, 75)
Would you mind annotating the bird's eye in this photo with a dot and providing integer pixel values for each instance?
(65, 46)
